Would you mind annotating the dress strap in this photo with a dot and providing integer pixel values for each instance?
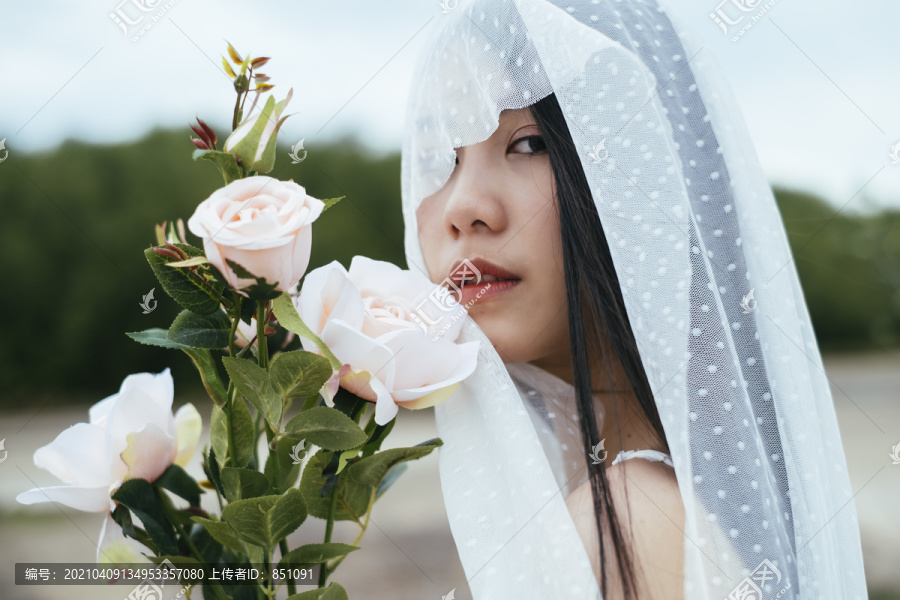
(654, 455)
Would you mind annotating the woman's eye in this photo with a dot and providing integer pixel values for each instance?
(533, 142)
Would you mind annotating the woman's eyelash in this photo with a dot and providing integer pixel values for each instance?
(521, 139)
(542, 147)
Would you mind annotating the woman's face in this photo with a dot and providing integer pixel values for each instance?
(499, 206)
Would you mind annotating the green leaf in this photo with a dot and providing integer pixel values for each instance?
(122, 516)
(186, 287)
(206, 365)
(201, 331)
(209, 549)
(248, 310)
(218, 434)
(176, 480)
(241, 484)
(222, 533)
(329, 202)
(346, 456)
(247, 148)
(156, 337)
(327, 428)
(243, 432)
(392, 475)
(253, 382)
(353, 498)
(224, 161)
(377, 436)
(261, 290)
(334, 591)
(371, 470)
(316, 553)
(299, 373)
(267, 520)
(141, 499)
(212, 470)
(283, 460)
(288, 317)
(354, 486)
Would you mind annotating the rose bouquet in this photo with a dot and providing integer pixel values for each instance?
(342, 340)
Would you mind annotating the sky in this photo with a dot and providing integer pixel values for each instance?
(818, 82)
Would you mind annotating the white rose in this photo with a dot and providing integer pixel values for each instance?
(131, 434)
(261, 223)
(371, 318)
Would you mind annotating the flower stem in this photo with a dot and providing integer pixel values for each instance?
(256, 439)
(232, 391)
(237, 108)
(292, 587)
(169, 511)
(234, 324)
(324, 571)
(331, 567)
(246, 349)
(261, 341)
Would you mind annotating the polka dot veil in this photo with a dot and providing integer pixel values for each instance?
(711, 292)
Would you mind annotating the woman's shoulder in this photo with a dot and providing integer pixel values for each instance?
(648, 504)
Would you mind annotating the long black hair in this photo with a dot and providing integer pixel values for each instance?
(598, 321)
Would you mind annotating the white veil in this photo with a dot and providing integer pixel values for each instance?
(711, 293)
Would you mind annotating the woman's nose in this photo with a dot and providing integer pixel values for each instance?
(475, 202)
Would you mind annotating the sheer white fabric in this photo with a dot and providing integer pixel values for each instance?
(711, 292)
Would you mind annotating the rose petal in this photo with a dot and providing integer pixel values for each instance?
(188, 425)
(360, 352)
(330, 389)
(115, 548)
(328, 293)
(359, 383)
(428, 364)
(77, 456)
(87, 499)
(381, 278)
(98, 412)
(135, 409)
(149, 452)
(385, 408)
(159, 387)
(430, 399)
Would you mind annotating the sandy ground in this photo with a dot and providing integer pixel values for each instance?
(409, 552)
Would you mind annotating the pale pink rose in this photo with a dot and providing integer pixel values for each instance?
(130, 434)
(371, 318)
(261, 223)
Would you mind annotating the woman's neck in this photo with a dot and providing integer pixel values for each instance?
(624, 425)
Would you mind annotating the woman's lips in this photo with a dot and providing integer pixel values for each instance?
(476, 292)
(479, 279)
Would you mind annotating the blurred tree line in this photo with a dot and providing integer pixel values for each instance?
(75, 222)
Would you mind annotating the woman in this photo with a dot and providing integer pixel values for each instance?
(579, 172)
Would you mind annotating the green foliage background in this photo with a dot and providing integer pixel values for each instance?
(75, 222)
